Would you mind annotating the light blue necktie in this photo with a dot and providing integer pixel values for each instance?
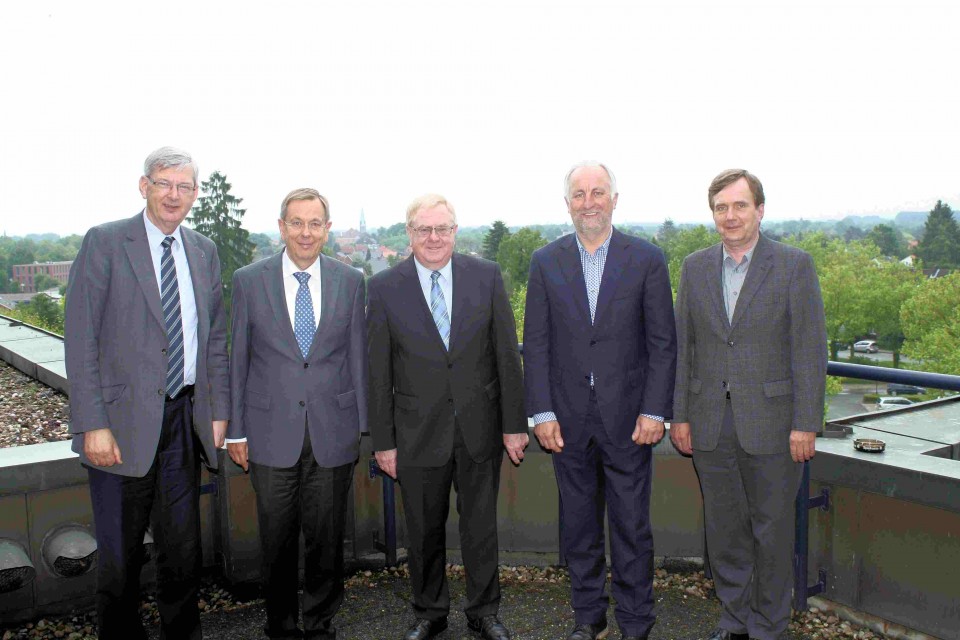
(439, 309)
(170, 303)
(304, 325)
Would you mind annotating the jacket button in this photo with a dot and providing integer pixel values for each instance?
(593, 342)
(306, 365)
(163, 351)
(302, 403)
(449, 365)
(449, 400)
(160, 392)
(730, 343)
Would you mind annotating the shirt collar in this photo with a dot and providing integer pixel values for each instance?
(289, 268)
(746, 257)
(446, 271)
(155, 236)
(604, 246)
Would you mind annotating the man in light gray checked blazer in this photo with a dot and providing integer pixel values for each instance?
(751, 367)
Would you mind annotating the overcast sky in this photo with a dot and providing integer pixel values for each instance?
(838, 106)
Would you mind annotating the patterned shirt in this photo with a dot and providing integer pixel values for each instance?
(734, 275)
(592, 266)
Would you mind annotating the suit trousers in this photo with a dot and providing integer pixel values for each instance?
(748, 503)
(313, 498)
(122, 508)
(592, 476)
(426, 501)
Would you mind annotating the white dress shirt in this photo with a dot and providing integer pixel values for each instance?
(188, 303)
(445, 281)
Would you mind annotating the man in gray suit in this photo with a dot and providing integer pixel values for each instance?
(748, 403)
(146, 356)
(298, 380)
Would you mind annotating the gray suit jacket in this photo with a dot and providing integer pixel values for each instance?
(275, 390)
(115, 342)
(773, 356)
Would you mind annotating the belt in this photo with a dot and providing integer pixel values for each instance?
(186, 390)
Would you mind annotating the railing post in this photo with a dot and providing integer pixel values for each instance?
(802, 541)
(389, 544)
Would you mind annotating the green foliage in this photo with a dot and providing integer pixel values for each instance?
(264, 246)
(43, 282)
(518, 301)
(218, 217)
(889, 240)
(514, 256)
(931, 324)
(492, 240)
(940, 246)
(677, 244)
(42, 311)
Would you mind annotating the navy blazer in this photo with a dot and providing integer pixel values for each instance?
(630, 349)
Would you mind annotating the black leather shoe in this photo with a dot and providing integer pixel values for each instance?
(589, 631)
(424, 629)
(636, 637)
(723, 634)
(489, 628)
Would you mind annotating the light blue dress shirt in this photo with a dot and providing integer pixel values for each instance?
(445, 281)
(188, 302)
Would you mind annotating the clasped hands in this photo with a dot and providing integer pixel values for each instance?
(646, 431)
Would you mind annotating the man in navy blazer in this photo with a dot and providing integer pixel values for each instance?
(146, 353)
(599, 360)
(298, 380)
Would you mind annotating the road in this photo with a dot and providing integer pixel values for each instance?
(880, 356)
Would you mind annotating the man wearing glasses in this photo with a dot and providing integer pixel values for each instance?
(446, 397)
(298, 381)
(146, 356)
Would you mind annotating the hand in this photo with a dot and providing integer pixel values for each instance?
(803, 445)
(515, 443)
(238, 453)
(219, 433)
(647, 431)
(101, 448)
(387, 461)
(680, 437)
(548, 434)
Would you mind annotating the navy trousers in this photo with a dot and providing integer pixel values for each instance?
(122, 507)
(594, 474)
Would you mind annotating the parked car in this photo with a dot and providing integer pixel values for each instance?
(895, 388)
(884, 402)
(866, 346)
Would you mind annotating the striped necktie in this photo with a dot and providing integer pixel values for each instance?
(439, 309)
(170, 302)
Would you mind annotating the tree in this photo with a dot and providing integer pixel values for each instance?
(42, 282)
(42, 311)
(940, 246)
(218, 216)
(514, 256)
(666, 232)
(889, 240)
(852, 233)
(682, 242)
(892, 284)
(492, 240)
(931, 324)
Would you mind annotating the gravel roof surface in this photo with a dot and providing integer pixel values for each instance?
(30, 412)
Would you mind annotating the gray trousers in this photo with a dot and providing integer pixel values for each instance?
(749, 517)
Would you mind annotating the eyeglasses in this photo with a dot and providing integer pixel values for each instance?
(183, 188)
(442, 231)
(315, 226)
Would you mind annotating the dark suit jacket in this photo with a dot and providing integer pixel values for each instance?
(274, 389)
(630, 348)
(773, 355)
(418, 389)
(115, 342)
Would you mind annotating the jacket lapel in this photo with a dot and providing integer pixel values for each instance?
(762, 261)
(141, 260)
(616, 254)
(572, 270)
(714, 277)
(458, 307)
(273, 285)
(198, 276)
(329, 295)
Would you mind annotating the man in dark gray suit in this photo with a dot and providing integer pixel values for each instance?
(146, 355)
(446, 399)
(298, 380)
(748, 404)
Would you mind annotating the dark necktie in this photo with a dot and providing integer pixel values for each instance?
(304, 325)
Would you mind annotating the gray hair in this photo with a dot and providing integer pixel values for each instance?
(305, 193)
(166, 157)
(589, 163)
(429, 201)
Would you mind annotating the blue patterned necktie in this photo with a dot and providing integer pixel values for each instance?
(304, 325)
(439, 309)
(170, 302)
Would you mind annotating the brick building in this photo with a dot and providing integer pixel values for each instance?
(26, 274)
